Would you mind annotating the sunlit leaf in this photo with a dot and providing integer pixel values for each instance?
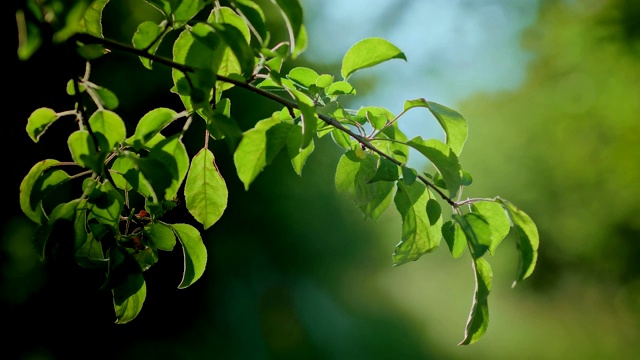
(172, 153)
(387, 171)
(39, 121)
(129, 297)
(479, 316)
(148, 36)
(382, 195)
(455, 238)
(292, 13)
(109, 129)
(340, 88)
(195, 253)
(107, 97)
(205, 190)
(454, 124)
(353, 175)
(309, 117)
(527, 240)
(152, 123)
(477, 231)
(83, 151)
(161, 235)
(253, 15)
(303, 76)
(443, 158)
(420, 234)
(105, 203)
(367, 53)
(40, 181)
(91, 22)
(497, 218)
(298, 155)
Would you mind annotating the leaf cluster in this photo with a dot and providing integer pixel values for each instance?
(127, 183)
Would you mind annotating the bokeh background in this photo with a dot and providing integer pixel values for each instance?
(551, 92)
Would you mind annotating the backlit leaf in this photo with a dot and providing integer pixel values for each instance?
(420, 234)
(298, 155)
(152, 123)
(454, 124)
(353, 175)
(40, 181)
(205, 190)
(195, 253)
(455, 238)
(527, 240)
(39, 121)
(479, 316)
(443, 158)
(477, 231)
(497, 218)
(368, 52)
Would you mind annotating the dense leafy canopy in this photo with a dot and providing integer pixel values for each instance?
(131, 182)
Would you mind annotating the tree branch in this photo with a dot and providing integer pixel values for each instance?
(90, 39)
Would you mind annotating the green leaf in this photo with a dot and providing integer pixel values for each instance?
(29, 38)
(479, 316)
(420, 233)
(454, 124)
(83, 151)
(353, 175)
(39, 121)
(39, 181)
(129, 297)
(172, 153)
(303, 76)
(497, 218)
(382, 195)
(527, 240)
(443, 158)
(152, 123)
(91, 22)
(205, 190)
(292, 14)
(397, 149)
(340, 88)
(105, 203)
(88, 249)
(298, 155)
(63, 211)
(237, 42)
(367, 53)
(108, 99)
(309, 117)
(324, 80)
(156, 177)
(179, 12)
(387, 171)
(127, 177)
(455, 238)
(201, 48)
(477, 231)
(148, 36)
(195, 253)
(343, 140)
(254, 16)
(109, 129)
(259, 147)
(161, 235)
